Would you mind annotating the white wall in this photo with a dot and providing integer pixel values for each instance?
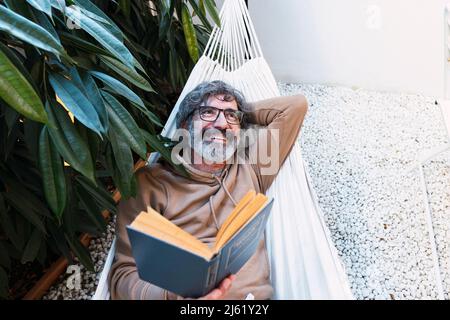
(347, 42)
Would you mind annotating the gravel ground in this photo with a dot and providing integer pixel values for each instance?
(99, 248)
(362, 148)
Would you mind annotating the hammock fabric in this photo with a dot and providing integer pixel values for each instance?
(304, 262)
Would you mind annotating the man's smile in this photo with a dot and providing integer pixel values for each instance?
(221, 139)
(214, 136)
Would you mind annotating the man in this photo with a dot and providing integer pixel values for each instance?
(214, 115)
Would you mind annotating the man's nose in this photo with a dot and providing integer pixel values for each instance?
(221, 122)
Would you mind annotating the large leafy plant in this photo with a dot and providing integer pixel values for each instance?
(83, 88)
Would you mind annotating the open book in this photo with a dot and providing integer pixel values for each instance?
(173, 259)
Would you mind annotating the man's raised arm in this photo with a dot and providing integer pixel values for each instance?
(283, 116)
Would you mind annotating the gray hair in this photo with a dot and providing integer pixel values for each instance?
(201, 94)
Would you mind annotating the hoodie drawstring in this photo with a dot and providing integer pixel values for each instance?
(211, 204)
(213, 213)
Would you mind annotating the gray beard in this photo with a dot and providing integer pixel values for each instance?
(210, 151)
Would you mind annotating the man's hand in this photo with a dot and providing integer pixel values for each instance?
(220, 292)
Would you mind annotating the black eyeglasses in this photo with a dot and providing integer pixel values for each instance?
(210, 114)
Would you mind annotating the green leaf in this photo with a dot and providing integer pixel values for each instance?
(74, 99)
(5, 260)
(201, 13)
(31, 135)
(150, 115)
(153, 117)
(92, 208)
(84, 224)
(156, 144)
(123, 123)
(125, 6)
(139, 66)
(42, 255)
(42, 5)
(182, 71)
(73, 76)
(201, 4)
(91, 139)
(8, 227)
(10, 117)
(112, 27)
(122, 154)
(71, 209)
(189, 33)
(127, 73)
(4, 291)
(93, 94)
(57, 235)
(58, 4)
(19, 189)
(52, 174)
(32, 247)
(77, 42)
(173, 72)
(20, 7)
(18, 92)
(102, 35)
(119, 87)
(81, 252)
(164, 25)
(25, 210)
(93, 16)
(125, 185)
(68, 141)
(166, 5)
(212, 10)
(18, 60)
(46, 24)
(103, 197)
(30, 32)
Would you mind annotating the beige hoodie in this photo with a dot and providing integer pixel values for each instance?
(201, 203)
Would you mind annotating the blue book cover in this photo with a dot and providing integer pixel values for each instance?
(188, 274)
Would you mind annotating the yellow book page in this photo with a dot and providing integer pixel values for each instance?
(155, 218)
(204, 252)
(241, 204)
(152, 220)
(161, 228)
(245, 215)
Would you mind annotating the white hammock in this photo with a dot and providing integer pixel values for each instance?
(304, 262)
